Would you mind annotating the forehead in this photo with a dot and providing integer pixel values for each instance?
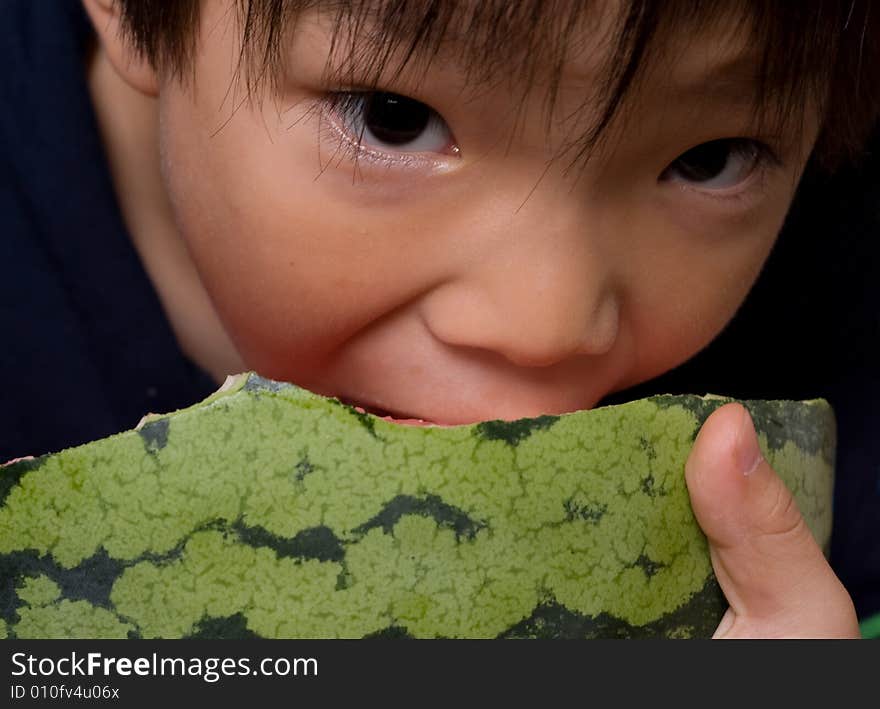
(492, 39)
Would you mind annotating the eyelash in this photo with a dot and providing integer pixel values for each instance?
(751, 188)
(335, 104)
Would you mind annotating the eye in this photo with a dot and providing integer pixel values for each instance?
(392, 123)
(718, 164)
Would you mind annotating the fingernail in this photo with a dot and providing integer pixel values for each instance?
(748, 454)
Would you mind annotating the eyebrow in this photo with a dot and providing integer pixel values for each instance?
(733, 77)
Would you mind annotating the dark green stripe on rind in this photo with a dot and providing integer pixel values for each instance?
(513, 432)
(91, 581)
(256, 384)
(155, 434)
(314, 543)
(232, 627)
(430, 506)
(552, 620)
(801, 425)
(392, 632)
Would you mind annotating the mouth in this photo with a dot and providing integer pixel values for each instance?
(397, 417)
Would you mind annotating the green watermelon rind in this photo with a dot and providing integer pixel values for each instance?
(269, 511)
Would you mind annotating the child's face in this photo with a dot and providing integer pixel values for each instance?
(449, 268)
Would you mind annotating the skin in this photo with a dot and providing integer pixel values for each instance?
(476, 278)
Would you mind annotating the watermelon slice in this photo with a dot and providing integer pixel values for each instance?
(270, 511)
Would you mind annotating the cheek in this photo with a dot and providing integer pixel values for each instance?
(292, 271)
(267, 258)
(690, 298)
(688, 280)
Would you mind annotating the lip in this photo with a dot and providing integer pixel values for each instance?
(397, 417)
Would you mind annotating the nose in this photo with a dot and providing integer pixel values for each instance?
(537, 289)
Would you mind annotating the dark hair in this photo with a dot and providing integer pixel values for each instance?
(822, 51)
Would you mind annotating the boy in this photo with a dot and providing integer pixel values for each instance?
(453, 212)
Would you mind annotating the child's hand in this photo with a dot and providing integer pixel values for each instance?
(772, 571)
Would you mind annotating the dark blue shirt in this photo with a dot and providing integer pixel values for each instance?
(86, 348)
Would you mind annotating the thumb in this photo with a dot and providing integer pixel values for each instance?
(773, 573)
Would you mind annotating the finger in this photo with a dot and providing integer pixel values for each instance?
(772, 571)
